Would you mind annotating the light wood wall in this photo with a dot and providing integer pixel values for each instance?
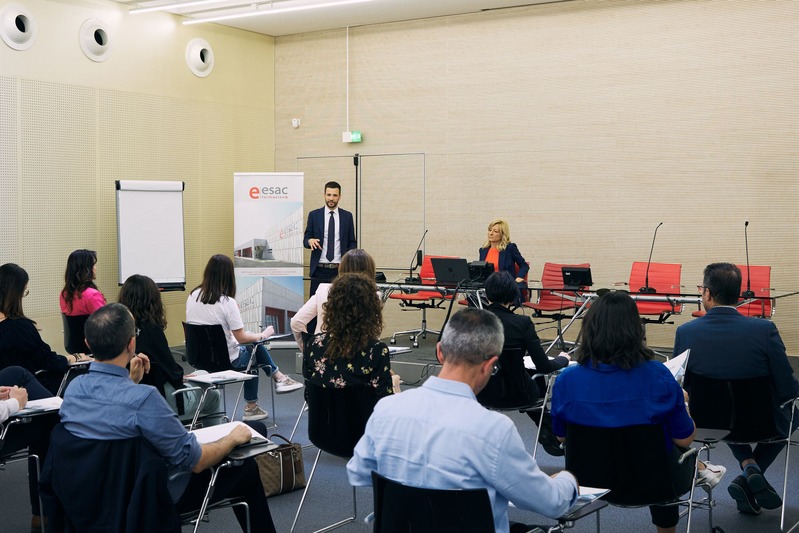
(69, 127)
(584, 124)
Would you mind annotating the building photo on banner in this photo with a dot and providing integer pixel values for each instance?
(267, 236)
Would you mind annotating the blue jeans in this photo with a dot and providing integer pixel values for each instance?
(262, 357)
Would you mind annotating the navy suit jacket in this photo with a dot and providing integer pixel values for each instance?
(509, 258)
(727, 345)
(315, 229)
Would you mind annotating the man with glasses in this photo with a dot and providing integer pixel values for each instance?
(727, 345)
(107, 403)
(437, 436)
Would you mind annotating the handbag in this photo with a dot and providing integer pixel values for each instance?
(281, 469)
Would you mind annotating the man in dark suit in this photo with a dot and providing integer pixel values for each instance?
(727, 345)
(329, 234)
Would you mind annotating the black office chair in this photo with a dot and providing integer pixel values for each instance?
(742, 406)
(634, 465)
(74, 339)
(116, 485)
(207, 349)
(336, 421)
(399, 508)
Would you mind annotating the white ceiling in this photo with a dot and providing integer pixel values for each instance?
(368, 12)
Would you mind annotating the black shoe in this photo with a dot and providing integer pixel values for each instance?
(764, 493)
(742, 494)
(548, 439)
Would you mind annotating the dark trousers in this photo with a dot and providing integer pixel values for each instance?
(321, 275)
(35, 435)
(237, 482)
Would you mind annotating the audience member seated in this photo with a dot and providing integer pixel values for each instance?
(504, 255)
(349, 351)
(80, 296)
(727, 345)
(17, 386)
(502, 293)
(143, 299)
(213, 303)
(617, 383)
(313, 311)
(437, 436)
(107, 403)
(20, 342)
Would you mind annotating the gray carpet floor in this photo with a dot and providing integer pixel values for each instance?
(330, 495)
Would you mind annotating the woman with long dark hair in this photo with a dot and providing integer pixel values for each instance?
(141, 296)
(349, 351)
(618, 383)
(80, 295)
(312, 312)
(212, 302)
(20, 341)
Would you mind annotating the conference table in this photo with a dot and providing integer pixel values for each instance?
(580, 299)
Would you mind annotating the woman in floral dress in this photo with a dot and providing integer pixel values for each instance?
(349, 352)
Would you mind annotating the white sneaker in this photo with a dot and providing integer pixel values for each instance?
(710, 476)
(254, 413)
(287, 385)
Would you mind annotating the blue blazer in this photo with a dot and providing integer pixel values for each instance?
(727, 345)
(508, 258)
(315, 229)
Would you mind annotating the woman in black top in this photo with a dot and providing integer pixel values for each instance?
(142, 297)
(20, 341)
(502, 293)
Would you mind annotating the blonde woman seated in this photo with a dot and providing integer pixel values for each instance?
(349, 352)
(312, 312)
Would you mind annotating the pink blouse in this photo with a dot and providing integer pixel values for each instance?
(86, 303)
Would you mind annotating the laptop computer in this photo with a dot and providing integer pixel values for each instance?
(576, 277)
(450, 271)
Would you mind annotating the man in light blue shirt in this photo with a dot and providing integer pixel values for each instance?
(439, 437)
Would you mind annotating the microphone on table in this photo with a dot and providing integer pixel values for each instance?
(416, 261)
(748, 293)
(646, 289)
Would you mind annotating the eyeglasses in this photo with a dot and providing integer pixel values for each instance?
(27, 292)
(136, 332)
(701, 288)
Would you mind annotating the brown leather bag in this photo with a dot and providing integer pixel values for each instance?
(281, 469)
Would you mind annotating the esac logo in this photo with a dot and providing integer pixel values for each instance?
(256, 193)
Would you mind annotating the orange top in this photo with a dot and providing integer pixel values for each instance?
(493, 257)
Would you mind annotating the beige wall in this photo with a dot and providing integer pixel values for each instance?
(584, 124)
(69, 127)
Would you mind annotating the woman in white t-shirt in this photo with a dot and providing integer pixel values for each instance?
(213, 303)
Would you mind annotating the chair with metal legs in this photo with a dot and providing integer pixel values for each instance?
(336, 421)
(206, 349)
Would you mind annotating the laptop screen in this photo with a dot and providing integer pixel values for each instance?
(450, 271)
(576, 277)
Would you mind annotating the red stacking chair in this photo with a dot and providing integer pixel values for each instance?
(762, 306)
(423, 300)
(665, 279)
(554, 304)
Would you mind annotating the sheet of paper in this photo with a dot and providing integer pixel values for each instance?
(394, 350)
(225, 376)
(587, 495)
(45, 404)
(214, 433)
(676, 365)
